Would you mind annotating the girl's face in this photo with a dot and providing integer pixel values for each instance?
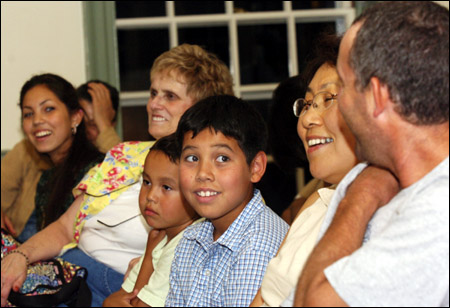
(326, 137)
(47, 123)
(167, 103)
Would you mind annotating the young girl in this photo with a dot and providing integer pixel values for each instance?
(52, 121)
(167, 212)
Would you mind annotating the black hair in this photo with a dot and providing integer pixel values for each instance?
(405, 45)
(284, 142)
(81, 152)
(82, 93)
(168, 146)
(232, 117)
(325, 50)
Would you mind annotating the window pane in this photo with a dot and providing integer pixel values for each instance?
(303, 5)
(306, 34)
(263, 106)
(213, 39)
(137, 51)
(257, 6)
(263, 54)
(130, 9)
(135, 124)
(199, 7)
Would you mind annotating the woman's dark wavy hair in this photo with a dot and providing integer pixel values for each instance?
(405, 45)
(232, 117)
(81, 152)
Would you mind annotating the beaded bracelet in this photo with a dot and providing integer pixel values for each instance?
(20, 253)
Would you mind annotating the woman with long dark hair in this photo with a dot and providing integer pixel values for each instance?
(52, 121)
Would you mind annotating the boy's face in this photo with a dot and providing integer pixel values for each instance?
(215, 177)
(160, 199)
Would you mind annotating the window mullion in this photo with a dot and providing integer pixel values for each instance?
(173, 30)
(291, 39)
(234, 47)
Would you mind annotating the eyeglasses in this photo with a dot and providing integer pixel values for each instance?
(321, 101)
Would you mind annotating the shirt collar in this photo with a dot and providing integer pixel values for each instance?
(203, 233)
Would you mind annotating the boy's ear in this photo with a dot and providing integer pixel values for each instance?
(258, 167)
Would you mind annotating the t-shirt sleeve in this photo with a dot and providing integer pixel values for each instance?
(155, 292)
(128, 284)
(405, 263)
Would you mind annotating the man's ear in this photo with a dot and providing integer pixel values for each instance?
(258, 167)
(380, 95)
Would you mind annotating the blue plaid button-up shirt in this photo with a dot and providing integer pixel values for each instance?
(228, 272)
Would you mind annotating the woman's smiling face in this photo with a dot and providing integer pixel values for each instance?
(167, 103)
(326, 137)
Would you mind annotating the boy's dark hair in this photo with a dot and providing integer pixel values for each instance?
(168, 145)
(82, 93)
(232, 117)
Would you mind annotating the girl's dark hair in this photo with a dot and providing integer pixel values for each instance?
(232, 117)
(81, 152)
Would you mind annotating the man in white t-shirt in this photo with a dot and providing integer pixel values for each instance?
(393, 63)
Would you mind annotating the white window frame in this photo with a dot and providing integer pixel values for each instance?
(343, 14)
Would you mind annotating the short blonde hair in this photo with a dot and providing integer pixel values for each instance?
(203, 72)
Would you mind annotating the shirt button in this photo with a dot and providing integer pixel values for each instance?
(207, 272)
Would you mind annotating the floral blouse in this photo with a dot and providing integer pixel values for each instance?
(121, 168)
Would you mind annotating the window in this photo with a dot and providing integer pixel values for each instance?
(263, 42)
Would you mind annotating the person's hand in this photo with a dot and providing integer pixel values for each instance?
(14, 272)
(120, 299)
(132, 263)
(103, 110)
(7, 225)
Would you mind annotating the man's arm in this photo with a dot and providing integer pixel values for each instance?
(373, 188)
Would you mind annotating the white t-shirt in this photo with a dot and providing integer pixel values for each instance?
(155, 292)
(284, 270)
(404, 260)
(118, 233)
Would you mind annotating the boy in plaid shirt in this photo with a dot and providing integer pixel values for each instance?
(221, 261)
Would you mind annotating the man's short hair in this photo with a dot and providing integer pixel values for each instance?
(405, 45)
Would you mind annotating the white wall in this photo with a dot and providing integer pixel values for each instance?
(443, 3)
(37, 37)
